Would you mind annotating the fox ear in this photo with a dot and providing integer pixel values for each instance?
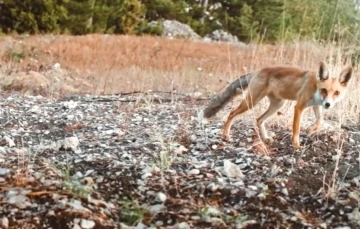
(323, 72)
(345, 75)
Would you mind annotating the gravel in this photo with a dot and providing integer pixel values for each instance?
(116, 162)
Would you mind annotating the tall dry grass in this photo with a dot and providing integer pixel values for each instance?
(127, 63)
(114, 64)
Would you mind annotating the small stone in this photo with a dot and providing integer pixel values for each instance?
(140, 226)
(4, 171)
(146, 175)
(4, 222)
(156, 208)
(213, 187)
(76, 226)
(2, 150)
(70, 143)
(242, 144)
(35, 109)
(183, 225)
(7, 141)
(77, 175)
(70, 104)
(285, 191)
(195, 217)
(56, 67)
(19, 201)
(86, 224)
(232, 170)
(354, 215)
(161, 197)
(194, 172)
(212, 211)
(290, 161)
(239, 183)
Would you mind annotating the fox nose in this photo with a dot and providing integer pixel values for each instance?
(327, 105)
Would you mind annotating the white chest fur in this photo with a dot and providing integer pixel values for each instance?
(317, 99)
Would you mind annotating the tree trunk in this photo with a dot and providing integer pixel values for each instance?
(205, 5)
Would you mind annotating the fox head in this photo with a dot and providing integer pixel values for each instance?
(332, 89)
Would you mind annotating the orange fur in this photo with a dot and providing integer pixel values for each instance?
(308, 88)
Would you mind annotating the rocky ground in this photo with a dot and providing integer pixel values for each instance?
(138, 161)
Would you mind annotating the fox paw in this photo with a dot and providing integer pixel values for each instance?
(268, 140)
(226, 138)
(312, 129)
(296, 145)
(272, 134)
(298, 148)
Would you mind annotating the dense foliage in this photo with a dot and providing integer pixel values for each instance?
(270, 20)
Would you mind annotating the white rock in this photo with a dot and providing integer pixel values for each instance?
(354, 216)
(4, 222)
(70, 143)
(159, 223)
(160, 196)
(35, 110)
(156, 208)
(76, 226)
(87, 224)
(56, 67)
(183, 225)
(140, 226)
(213, 187)
(194, 172)
(2, 150)
(285, 191)
(9, 141)
(146, 175)
(77, 175)
(19, 201)
(212, 211)
(232, 170)
(70, 104)
(197, 94)
(77, 205)
(4, 171)
(180, 149)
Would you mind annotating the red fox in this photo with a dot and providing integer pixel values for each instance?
(308, 88)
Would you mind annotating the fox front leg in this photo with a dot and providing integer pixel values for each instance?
(319, 118)
(299, 108)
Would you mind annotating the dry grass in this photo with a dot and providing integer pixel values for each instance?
(126, 63)
(103, 64)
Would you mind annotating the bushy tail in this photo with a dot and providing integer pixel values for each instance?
(223, 98)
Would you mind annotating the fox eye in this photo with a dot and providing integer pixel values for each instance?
(336, 93)
(323, 90)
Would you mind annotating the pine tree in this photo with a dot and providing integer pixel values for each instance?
(32, 16)
(125, 16)
(79, 13)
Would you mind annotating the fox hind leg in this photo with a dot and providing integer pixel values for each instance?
(275, 105)
(248, 103)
